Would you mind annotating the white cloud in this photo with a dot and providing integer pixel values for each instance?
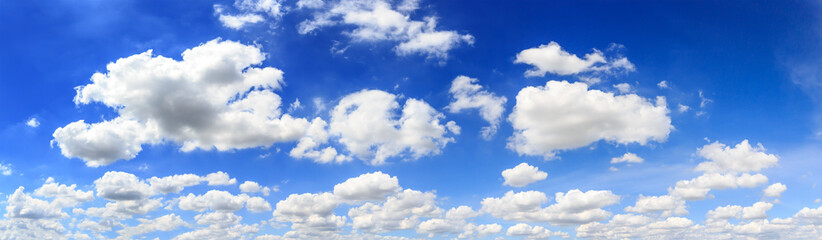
(740, 158)
(64, 195)
(378, 20)
(757, 210)
(32, 122)
(193, 102)
(723, 213)
(164, 223)
(34, 229)
(21, 205)
(572, 208)
(682, 108)
(551, 58)
(400, 211)
(257, 204)
(307, 146)
(237, 22)
(367, 187)
(810, 215)
(522, 175)
(122, 209)
(663, 84)
(564, 116)
(623, 88)
(310, 213)
(219, 178)
(775, 190)
(466, 94)
(122, 186)
(536, 232)
(174, 184)
(220, 225)
(5, 169)
(698, 188)
(250, 12)
(627, 158)
(365, 124)
(310, 3)
(215, 200)
(254, 187)
(665, 204)
(474, 231)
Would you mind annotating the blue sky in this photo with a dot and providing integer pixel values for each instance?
(416, 119)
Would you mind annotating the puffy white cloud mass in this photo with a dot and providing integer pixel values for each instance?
(551, 58)
(213, 98)
(522, 175)
(215, 200)
(121, 186)
(365, 123)
(563, 116)
(22, 205)
(666, 205)
(254, 187)
(380, 20)
(775, 190)
(698, 188)
(372, 206)
(740, 158)
(466, 94)
(64, 195)
(369, 186)
(571, 208)
(536, 232)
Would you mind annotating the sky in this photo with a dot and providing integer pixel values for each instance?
(410, 119)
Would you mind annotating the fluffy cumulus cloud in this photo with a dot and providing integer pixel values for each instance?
(369, 186)
(214, 98)
(119, 186)
(310, 213)
(698, 188)
(308, 146)
(571, 208)
(522, 175)
(722, 170)
(380, 20)
(370, 206)
(365, 123)
(22, 206)
(401, 211)
(741, 158)
(254, 187)
(665, 205)
(551, 58)
(215, 200)
(535, 232)
(564, 116)
(775, 190)
(63, 195)
(467, 94)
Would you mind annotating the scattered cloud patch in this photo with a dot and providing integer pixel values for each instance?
(551, 58)
(564, 116)
(192, 102)
(522, 175)
(466, 94)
